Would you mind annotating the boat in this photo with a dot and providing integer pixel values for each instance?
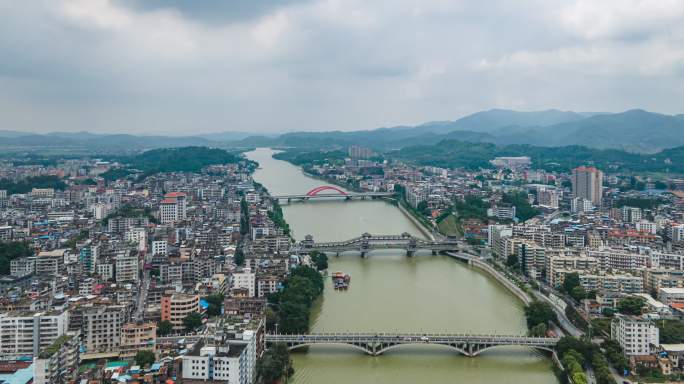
(341, 280)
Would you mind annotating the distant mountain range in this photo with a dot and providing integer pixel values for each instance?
(634, 130)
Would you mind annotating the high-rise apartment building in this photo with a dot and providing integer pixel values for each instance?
(587, 183)
(102, 328)
(173, 208)
(26, 333)
(636, 336)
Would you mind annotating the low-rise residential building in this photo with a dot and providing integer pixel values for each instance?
(176, 307)
(231, 362)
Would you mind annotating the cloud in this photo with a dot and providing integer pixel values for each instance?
(264, 66)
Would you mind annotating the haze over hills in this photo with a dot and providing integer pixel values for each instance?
(634, 130)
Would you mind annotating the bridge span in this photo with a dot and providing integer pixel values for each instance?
(332, 192)
(375, 344)
(367, 242)
(346, 196)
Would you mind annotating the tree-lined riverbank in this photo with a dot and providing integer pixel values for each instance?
(392, 292)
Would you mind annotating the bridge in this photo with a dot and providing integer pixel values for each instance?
(332, 192)
(367, 242)
(379, 343)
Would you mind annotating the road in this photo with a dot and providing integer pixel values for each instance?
(142, 296)
(565, 323)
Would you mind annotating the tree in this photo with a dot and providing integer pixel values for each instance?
(244, 217)
(215, 302)
(539, 312)
(538, 330)
(10, 251)
(294, 302)
(422, 207)
(571, 281)
(145, 358)
(274, 365)
(239, 257)
(578, 293)
(630, 305)
(523, 209)
(164, 328)
(271, 319)
(192, 321)
(671, 331)
(512, 261)
(320, 259)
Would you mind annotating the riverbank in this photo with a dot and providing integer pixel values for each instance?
(498, 276)
(392, 292)
(421, 226)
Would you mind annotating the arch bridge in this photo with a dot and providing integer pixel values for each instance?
(332, 192)
(367, 242)
(378, 343)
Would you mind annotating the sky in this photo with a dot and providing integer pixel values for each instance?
(188, 67)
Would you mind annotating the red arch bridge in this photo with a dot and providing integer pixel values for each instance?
(375, 344)
(332, 192)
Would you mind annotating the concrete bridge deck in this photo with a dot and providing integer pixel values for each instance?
(367, 242)
(375, 344)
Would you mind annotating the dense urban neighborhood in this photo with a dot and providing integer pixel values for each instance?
(154, 268)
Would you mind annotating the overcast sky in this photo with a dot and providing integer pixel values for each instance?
(185, 67)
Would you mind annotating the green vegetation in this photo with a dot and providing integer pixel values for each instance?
(25, 185)
(576, 353)
(637, 202)
(572, 361)
(601, 369)
(571, 286)
(10, 251)
(602, 325)
(244, 217)
(523, 209)
(127, 210)
(239, 257)
(276, 215)
(82, 235)
(449, 225)
(116, 174)
(54, 347)
(309, 159)
(215, 302)
(539, 312)
(471, 207)
(164, 328)
(671, 331)
(461, 154)
(320, 260)
(293, 303)
(615, 355)
(185, 159)
(274, 365)
(192, 321)
(512, 262)
(144, 358)
(631, 305)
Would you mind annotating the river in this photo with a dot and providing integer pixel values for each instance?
(392, 292)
